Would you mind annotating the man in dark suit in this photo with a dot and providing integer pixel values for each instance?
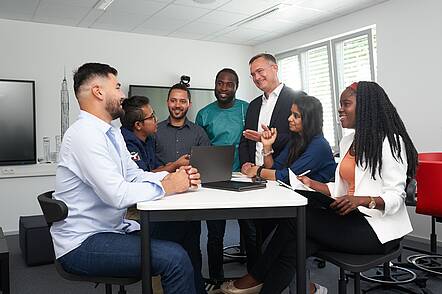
(270, 109)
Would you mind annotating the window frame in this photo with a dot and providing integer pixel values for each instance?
(331, 45)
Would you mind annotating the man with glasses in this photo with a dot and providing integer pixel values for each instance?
(139, 126)
(270, 109)
(174, 139)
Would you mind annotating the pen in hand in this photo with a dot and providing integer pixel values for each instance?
(304, 173)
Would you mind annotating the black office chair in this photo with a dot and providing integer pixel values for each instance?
(56, 210)
(357, 263)
(374, 268)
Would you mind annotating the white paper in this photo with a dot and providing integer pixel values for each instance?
(295, 183)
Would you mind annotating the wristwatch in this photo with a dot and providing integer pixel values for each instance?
(258, 171)
(372, 203)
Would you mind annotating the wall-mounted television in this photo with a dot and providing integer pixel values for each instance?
(17, 122)
(158, 97)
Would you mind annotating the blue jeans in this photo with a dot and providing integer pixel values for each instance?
(187, 234)
(119, 255)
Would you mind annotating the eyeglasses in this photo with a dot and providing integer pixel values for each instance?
(150, 117)
(260, 71)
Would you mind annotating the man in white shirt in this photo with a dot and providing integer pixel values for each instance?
(98, 180)
(271, 109)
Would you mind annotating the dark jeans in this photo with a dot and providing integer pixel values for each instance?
(119, 255)
(325, 230)
(187, 234)
(215, 243)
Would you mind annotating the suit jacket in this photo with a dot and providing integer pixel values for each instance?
(280, 114)
(393, 222)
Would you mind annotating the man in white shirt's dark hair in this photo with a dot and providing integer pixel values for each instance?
(98, 180)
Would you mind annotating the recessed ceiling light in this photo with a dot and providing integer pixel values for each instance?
(204, 1)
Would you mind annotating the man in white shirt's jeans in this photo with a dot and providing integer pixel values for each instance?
(98, 180)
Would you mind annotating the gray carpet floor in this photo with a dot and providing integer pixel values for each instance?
(44, 279)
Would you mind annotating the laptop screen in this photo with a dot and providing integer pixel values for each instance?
(214, 163)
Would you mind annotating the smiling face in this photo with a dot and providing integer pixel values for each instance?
(295, 119)
(225, 88)
(178, 103)
(264, 74)
(347, 109)
(113, 96)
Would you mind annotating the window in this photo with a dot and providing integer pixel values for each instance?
(325, 69)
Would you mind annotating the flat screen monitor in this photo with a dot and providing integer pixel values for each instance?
(17, 121)
(158, 99)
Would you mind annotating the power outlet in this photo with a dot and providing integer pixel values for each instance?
(8, 171)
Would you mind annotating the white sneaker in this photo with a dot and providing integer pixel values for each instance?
(320, 289)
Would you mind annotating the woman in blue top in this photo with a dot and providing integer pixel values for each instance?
(307, 150)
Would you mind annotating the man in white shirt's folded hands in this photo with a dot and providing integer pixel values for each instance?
(98, 180)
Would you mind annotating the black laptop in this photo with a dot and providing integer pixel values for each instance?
(214, 164)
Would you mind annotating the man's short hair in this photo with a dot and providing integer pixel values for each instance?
(266, 56)
(132, 110)
(182, 87)
(90, 70)
(230, 71)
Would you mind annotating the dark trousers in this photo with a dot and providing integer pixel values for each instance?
(187, 234)
(215, 243)
(325, 230)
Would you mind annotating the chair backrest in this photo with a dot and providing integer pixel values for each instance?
(53, 210)
(429, 184)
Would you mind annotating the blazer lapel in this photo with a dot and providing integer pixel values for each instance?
(255, 112)
(278, 106)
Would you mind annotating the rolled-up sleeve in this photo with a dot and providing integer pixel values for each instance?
(100, 171)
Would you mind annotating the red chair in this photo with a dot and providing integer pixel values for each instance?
(429, 202)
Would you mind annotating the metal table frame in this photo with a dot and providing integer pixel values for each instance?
(217, 214)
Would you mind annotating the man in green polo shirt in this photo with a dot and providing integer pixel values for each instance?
(223, 121)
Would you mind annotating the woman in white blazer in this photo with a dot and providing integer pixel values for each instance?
(376, 159)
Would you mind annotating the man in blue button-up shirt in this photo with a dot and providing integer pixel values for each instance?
(98, 180)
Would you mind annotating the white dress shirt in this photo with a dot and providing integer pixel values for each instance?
(265, 115)
(98, 180)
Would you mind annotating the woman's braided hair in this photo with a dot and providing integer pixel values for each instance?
(377, 118)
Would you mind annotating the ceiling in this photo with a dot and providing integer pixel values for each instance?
(216, 21)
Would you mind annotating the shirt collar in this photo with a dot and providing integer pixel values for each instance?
(99, 123)
(274, 94)
(186, 123)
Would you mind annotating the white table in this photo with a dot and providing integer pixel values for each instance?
(211, 204)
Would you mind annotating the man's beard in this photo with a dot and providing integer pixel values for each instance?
(114, 109)
(184, 113)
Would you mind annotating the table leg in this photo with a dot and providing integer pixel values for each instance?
(146, 277)
(301, 251)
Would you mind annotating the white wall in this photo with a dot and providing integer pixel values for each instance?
(409, 63)
(40, 52)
